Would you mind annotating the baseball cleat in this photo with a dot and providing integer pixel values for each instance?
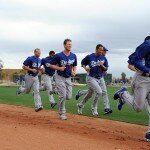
(120, 104)
(53, 105)
(53, 92)
(107, 111)
(63, 117)
(77, 95)
(94, 112)
(38, 109)
(18, 91)
(79, 109)
(117, 94)
(147, 137)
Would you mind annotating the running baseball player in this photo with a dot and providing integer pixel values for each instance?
(32, 65)
(66, 65)
(48, 77)
(107, 108)
(140, 84)
(94, 64)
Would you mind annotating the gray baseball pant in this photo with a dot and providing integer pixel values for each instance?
(94, 87)
(32, 82)
(64, 89)
(48, 86)
(104, 94)
(140, 90)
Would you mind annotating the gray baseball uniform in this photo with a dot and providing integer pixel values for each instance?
(104, 94)
(63, 78)
(140, 89)
(64, 89)
(94, 87)
(94, 79)
(48, 86)
(32, 82)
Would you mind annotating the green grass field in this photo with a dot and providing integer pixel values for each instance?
(8, 96)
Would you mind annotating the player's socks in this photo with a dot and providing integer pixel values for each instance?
(53, 105)
(120, 104)
(119, 92)
(77, 95)
(79, 109)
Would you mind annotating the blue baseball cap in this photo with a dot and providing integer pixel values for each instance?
(105, 49)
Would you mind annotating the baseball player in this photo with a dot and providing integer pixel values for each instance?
(48, 77)
(65, 63)
(32, 65)
(94, 64)
(140, 84)
(107, 108)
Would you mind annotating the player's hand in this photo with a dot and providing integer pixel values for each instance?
(73, 73)
(87, 69)
(101, 63)
(42, 70)
(62, 68)
(34, 70)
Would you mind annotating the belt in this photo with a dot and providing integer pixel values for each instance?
(49, 75)
(95, 77)
(146, 74)
(32, 75)
(63, 76)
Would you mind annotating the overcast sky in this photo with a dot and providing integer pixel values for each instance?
(120, 25)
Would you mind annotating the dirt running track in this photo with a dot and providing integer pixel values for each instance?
(23, 129)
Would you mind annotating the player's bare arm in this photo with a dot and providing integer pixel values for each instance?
(42, 70)
(55, 67)
(102, 66)
(27, 68)
(131, 67)
(74, 70)
(87, 69)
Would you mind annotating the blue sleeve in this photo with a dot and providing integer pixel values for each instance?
(75, 62)
(106, 63)
(140, 55)
(85, 61)
(27, 62)
(55, 60)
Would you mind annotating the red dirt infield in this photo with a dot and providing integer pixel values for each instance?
(23, 129)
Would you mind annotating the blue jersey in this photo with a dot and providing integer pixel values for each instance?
(46, 62)
(131, 60)
(93, 62)
(62, 60)
(143, 53)
(33, 63)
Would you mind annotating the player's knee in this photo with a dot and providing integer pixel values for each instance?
(104, 93)
(68, 97)
(36, 91)
(99, 93)
(62, 96)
